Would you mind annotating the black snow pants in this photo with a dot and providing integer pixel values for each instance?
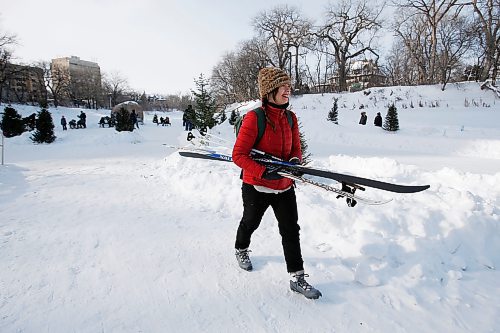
(284, 205)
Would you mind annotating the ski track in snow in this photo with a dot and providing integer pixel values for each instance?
(105, 232)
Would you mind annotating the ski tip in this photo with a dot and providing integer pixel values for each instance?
(423, 188)
(408, 188)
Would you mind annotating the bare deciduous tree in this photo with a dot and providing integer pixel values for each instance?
(179, 101)
(351, 27)
(6, 71)
(412, 31)
(433, 12)
(114, 87)
(234, 78)
(399, 66)
(324, 66)
(284, 29)
(54, 80)
(488, 14)
(454, 40)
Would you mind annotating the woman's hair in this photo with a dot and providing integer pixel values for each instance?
(273, 93)
(265, 101)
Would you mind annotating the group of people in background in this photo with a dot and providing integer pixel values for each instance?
(81, 123)
(377, 121)
(187, 123)
(162, 121)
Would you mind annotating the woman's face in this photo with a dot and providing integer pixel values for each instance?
(282, 95)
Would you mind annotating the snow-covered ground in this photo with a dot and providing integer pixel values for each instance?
(115, 232)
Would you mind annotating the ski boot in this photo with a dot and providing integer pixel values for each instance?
(301, 286)
(243, 259)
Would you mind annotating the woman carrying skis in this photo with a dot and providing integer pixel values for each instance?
(263, 186)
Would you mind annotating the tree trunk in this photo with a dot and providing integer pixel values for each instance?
(298, 81)
(342, 72)
(494, 72)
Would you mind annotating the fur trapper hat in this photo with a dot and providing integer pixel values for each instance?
(271, 78)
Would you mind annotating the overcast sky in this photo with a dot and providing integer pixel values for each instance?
(158, 46)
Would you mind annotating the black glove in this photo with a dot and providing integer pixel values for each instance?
(295, 171)
(271, 172)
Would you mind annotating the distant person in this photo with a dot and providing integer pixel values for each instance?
(363, 119)
(166, 121)
(378, 120)
(133, 119)
(112, 120)
(190, 116)
(64, 123)
(83, 119)
(155, 119)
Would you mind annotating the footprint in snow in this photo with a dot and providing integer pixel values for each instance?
(323, 247)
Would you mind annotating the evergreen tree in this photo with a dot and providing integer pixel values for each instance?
(303, 145)
(391, 119)
(223, 116)
(334, 112)
(44, 132)
(234, 115)
(123, 122)
(12, 122)
(29, 122)
(205, 106)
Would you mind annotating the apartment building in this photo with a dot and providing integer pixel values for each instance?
(22, 85)
(81, 77)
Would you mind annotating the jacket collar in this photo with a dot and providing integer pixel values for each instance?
(272, 108)
(277, 106)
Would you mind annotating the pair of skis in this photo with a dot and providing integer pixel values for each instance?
(298, 172)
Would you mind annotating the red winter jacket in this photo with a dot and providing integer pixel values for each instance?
(282, 142)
